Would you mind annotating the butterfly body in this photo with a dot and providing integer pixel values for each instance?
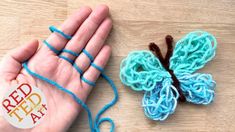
(167, 80)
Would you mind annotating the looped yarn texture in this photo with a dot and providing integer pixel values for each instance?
(198, 88)
(161, 101)
(142, 71)
(94, 125)
(192, 52)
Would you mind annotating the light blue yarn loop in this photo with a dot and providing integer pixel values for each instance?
(88, 82)
(66, 58)
(94, 125)
(79, 70)
(88, 54)
(70, 52)
(142, 71)
(106, 120)
(97, 67)
(51, 47)
(54, 29)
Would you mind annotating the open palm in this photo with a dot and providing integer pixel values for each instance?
(90, 30)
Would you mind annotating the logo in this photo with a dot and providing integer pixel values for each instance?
(24, 106)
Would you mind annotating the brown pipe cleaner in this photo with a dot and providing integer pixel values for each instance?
(165, 62)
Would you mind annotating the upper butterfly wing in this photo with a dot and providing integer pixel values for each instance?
(192, 52)
(141, 70)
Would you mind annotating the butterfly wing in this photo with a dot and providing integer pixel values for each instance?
(198, 88)
(192, 52)
(141, 70)
(159, 103)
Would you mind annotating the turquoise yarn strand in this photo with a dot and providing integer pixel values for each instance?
(88, 54)
(51, 47)
(78, 69)
(70, 52)
(98, 120)
(67, 59)
(54, 29)
(142, 71)
(88, 82)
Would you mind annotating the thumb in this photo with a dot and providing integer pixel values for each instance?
(11, 64)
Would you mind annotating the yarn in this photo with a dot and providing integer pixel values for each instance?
(157, 76)
(67, 59)
(70, 52)
(192, 52)
(51, 47)
(161, 101)
(198, 88)
(88, 54)
(54, 29)
(141, 70)
(94, 125)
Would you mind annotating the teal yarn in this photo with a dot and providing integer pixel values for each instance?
(198, 88)
(88, 54)
(161, 101)
(94, 124)
(142, 71)
(192, 52)
(70, 52)
(51, 47)
(79, 70)
(67, 59)
(54, 29)
(88, 82)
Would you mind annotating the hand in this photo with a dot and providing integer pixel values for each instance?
(90, 30)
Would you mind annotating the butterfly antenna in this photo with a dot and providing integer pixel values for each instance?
(169, 41)
(156, 50)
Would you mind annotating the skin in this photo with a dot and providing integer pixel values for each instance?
(90, 29)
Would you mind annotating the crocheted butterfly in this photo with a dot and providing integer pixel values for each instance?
(165, 80)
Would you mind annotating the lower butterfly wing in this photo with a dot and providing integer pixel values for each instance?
(160, 102)
(198, 88)
(141, 70)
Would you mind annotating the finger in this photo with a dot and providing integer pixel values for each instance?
(69, 27)
(85, 32)
(94, 45)
(92, 72)
(11, 63)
